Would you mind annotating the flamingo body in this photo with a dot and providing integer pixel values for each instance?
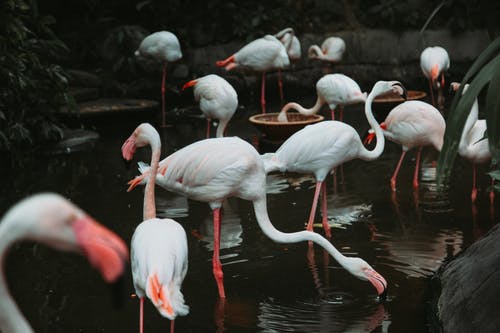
(332, 49)
(217, 98)
(162, 46)
(50, 219)
(434, 61)
(291, 42)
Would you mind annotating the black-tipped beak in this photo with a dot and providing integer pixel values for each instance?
(383, 296)
(405, 92)
(127, 163)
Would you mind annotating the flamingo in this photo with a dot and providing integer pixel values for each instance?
(50, 219)
(212, 170)
(332, 49)
(162, 46)
(217, 98)
(332, 89)
(434, 61)
(291, 42)
(413, 124)
(473, 145)
(321, 147)
(261, 55)
(158, 248)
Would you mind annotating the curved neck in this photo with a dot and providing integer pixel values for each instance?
(469, 123)
(260, 208)
(11, 318)
(379, 147)
(220, 128)
(317, 52)
(302, 110)
(149, 211)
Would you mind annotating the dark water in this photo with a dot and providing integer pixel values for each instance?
(270, 287)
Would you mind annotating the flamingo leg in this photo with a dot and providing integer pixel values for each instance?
(417, 167)
(141, 315)
(333, 113)
(216, 264)
(263, 93)
(324, 211)
(432, 92)
(172, 323)
(492, 192)
(280, 85)
(314, 204)
(208, 128)
(394, 176)
(473, 194)
(163, 89)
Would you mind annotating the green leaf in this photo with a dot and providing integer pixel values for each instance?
(493, 114)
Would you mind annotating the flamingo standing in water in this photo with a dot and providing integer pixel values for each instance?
(212, 170)
(261, 55)
(332, 49)
(217, 98)
(50, 219)
(159, 248)
(473, 145)
(162, 46)
(321, 147)
(413, 124)
(332, 89)
(434, 61)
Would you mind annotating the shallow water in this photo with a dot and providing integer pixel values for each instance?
(270, 287)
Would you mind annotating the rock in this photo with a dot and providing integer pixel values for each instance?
(74, 140)
(467, 288)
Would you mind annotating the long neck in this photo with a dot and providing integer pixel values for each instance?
(302, 110)
(260, 208)
(314, 49)
(149, 191)
(469, 123)
(379, 147)
(220, 128)
(11, 318)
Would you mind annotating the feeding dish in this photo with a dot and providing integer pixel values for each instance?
(384, 103)
(274, 130)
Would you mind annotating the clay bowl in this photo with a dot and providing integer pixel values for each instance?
(274, 130)
(383, 104)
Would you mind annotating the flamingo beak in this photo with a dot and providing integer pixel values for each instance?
(189, 84)
(378, 282)
(369, 137)
(128, 148)
(401, 90)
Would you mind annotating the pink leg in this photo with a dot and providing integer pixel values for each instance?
(324, 212)
(393, 178)
(263, 93)
(473, 194)
(417, 167)
(432, 93)
(333, 113)
(208, 128)
(280, 85)
(172, 323)
(492, 192)
(141, 315)
(216, 264)
(313, 208)
(163, 115)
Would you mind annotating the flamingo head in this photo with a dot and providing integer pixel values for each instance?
(189, 84)
(371, 134)
(383, 87)
(143, 135)
(363, 271)
(434, 76)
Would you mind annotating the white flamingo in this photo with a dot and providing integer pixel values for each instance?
(321, 147)
(50, 219)
(162, 46)
(218, 100)
(261, 55)
(212, 170)
(336, 90)
(159, 251)
(332, 49)
(434, 61)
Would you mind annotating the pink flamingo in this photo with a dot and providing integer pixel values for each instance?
(261, 55)
(413, 124)
(336, 90)
(50, 219)
(321, 147)
(434, 61)
(332, 49)
(212, 170)
(158, 248)
(217, 98)
(473, 145)
(162, 46)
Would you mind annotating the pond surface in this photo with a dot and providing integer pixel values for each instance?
(270, 287)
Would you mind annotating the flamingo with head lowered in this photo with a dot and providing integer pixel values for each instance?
(473, 145)
(332, 49)
(321, 147)
(212, 170)
(159, 251)
(162, 46)
(434, 61)
(218, 100)
(412, 124)
(50, 219)
(336, 90)
(261, 55)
